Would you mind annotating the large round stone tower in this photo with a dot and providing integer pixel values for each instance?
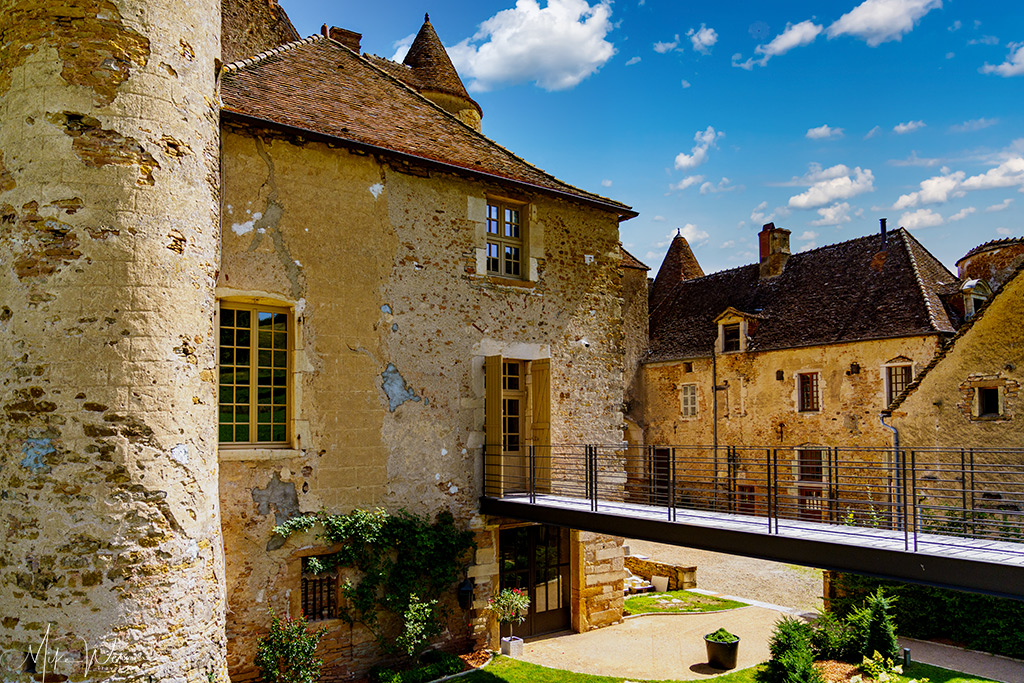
(111, 557)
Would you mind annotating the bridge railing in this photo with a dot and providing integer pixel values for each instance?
(952, 493)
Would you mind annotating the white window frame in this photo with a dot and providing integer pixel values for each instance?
(688, 396)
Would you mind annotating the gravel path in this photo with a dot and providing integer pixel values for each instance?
(780, 584)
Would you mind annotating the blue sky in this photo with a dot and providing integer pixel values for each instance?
(715, 118)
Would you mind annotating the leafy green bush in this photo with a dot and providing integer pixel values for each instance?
(721, 636)
(792, 659)
(405, 564)
(444, 664)
(287, 653)
(834, 638)
(977, 621)
(880, 635)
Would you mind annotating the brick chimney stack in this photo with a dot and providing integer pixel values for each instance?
(774, 248)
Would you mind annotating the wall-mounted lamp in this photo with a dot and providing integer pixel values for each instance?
(465, 593)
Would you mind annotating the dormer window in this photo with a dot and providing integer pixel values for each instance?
(975, 293)
(731, 337)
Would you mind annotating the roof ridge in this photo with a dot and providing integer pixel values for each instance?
(991, 243)
(261, 56)
(951, 342)
(910, 241)
(481, 135)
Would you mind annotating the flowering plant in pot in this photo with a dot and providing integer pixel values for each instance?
(723, 648)
(510, 606)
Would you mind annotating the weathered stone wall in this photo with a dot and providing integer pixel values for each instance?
(635, 330)
(758, 409)
(393, 323)
(941, 412)
(679, 577)
(597, 581)
(252, 26)
(109, 245)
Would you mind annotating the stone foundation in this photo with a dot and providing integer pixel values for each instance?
(679, 577)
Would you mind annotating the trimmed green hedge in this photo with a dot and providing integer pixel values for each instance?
(980, 622)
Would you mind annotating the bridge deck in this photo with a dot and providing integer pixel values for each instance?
(982, 565)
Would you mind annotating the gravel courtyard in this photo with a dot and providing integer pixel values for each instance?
(780, 584)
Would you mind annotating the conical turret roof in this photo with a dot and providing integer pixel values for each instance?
(434, 69)
(679, 264)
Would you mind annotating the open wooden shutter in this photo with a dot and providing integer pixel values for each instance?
(492, 426)
(540, 374)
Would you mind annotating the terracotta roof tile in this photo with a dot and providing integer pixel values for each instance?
(630, 261)
(320, 86)
(433, 68)
(850, 291)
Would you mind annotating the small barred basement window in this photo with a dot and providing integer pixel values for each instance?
(319, 591)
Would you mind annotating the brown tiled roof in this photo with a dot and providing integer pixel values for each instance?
(320, 86)
(630, 261)
(679, 264)
(844, 292)
(951, 343)
(249, 27)
(991, 244)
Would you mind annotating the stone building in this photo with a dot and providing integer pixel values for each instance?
(308, 324)
(798, 353)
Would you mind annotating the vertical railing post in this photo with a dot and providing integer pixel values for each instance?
(533, 473)
(775, 490)
(904, 505)
(593, 478)
(963, 490)
(672, 484)
(913, 490)
(974, 519)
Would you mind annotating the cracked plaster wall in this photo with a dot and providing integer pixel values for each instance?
(385, 262)
(108, 248)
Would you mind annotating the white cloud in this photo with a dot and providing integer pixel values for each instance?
(659, 219)
(935, 190)
(703, 39)
(1001, 206)
(984, 40)
(722, 186)
(879, 21)
(1007, 174)
(401, 47)
(950, 55)
(809, 239)
(837, 214)
(961, 214)
(824, 132)
(1013, 66)
(873, 132)
(606, 183)
(556, 46)
(685, 83)
(662, 48)
(914, 160)
(908, 127)
(973, 125)
(686, 182)
(694, 235)
(728, 244)
(831, 184)
(705, 140)
(758, 216)
(955, 26)
(795, 35)
(922, 218)
(1004, 231)
(632, 61)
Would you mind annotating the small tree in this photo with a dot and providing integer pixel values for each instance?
(792, 660)
(287, 653)
(880, 634)
(510, 606)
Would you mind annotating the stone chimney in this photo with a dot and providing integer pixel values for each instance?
(349, 39)
(774, 244)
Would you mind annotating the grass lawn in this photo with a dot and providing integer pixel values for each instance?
(515, 671)
(677, 601)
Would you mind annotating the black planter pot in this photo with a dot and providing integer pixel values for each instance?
(722, 655)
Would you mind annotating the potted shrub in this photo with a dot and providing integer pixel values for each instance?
(510, 606)
(723, 647)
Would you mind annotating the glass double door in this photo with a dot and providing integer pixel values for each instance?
(536, 558)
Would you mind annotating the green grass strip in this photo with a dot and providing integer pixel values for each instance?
(688, 602)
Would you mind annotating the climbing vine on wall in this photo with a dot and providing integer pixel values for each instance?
(404, 564)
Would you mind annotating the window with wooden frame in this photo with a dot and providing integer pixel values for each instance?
(731, 337)
(517, 413)
(807, 392)
(254, 366)
(688, 400)
(897, 378)
(505, 231)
